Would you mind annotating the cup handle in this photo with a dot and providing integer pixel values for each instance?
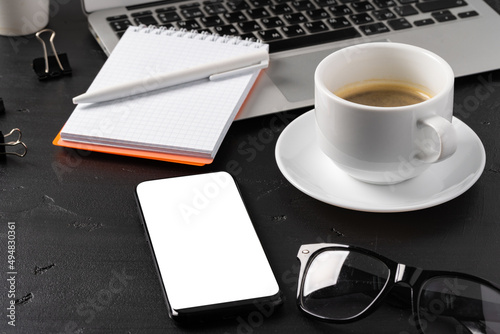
(437, 139)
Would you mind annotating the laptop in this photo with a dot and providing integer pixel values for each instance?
(300, 33)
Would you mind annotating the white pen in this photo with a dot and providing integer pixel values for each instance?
(214, 71)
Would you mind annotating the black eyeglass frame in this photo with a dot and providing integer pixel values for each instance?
(399, 273)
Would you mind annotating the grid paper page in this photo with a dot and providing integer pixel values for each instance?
(191, 118)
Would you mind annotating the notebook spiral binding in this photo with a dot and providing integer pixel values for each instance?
(199, 35)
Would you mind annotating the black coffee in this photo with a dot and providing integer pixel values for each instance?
(383, 93)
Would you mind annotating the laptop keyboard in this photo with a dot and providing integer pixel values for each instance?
(289, 24)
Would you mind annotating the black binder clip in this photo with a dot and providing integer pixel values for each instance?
(50, 67)
(17, 142)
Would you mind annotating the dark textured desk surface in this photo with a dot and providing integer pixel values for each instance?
(78, 228)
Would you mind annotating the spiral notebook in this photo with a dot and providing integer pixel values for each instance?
(184, 123)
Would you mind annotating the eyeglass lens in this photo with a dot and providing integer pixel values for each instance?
(457, 305)
(341, 284)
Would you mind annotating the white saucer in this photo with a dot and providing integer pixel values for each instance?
(312, 172)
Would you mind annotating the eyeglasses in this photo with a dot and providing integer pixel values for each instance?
(340, 284)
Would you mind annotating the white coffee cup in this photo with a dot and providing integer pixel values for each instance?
(384, 145)
(23, 17)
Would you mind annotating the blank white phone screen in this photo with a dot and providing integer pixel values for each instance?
(204, 242)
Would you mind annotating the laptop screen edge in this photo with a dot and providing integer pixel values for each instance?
(90, 6)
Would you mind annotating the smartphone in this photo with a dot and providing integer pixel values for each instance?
(208, 255)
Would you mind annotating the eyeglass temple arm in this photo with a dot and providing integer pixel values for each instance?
(408, 276)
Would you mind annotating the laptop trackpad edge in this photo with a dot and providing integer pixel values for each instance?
(302, 67)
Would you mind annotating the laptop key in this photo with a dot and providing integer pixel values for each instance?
(211, 21)
(249, 26)
(260, 3)
(228, 29)
(169, 16)
(315, 26)
(215, 8)
(423, 22)
(406, 10)
(374, 28)
(189, 25)
(383, 14)
(362, 18)
(313, 39)
(293, 31)
(165, 9)
(326, 3)
(317, 14)
(237, 5)
(272, 22)
(295, 18)
(443, 16)
(431, 6)
(269, 35)
(340, 10)
(146, 20)
(190, 5)
(281, 9)
(399, 24)
(258, 13)
(469, 13)
(362, 6)
(191, 12)
(384, 3)
(302, 5)
(338, 22)
(143, 13)
(117, 17)
(235, 17)
(120, 25)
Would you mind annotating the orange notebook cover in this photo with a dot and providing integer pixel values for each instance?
(58, 141)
